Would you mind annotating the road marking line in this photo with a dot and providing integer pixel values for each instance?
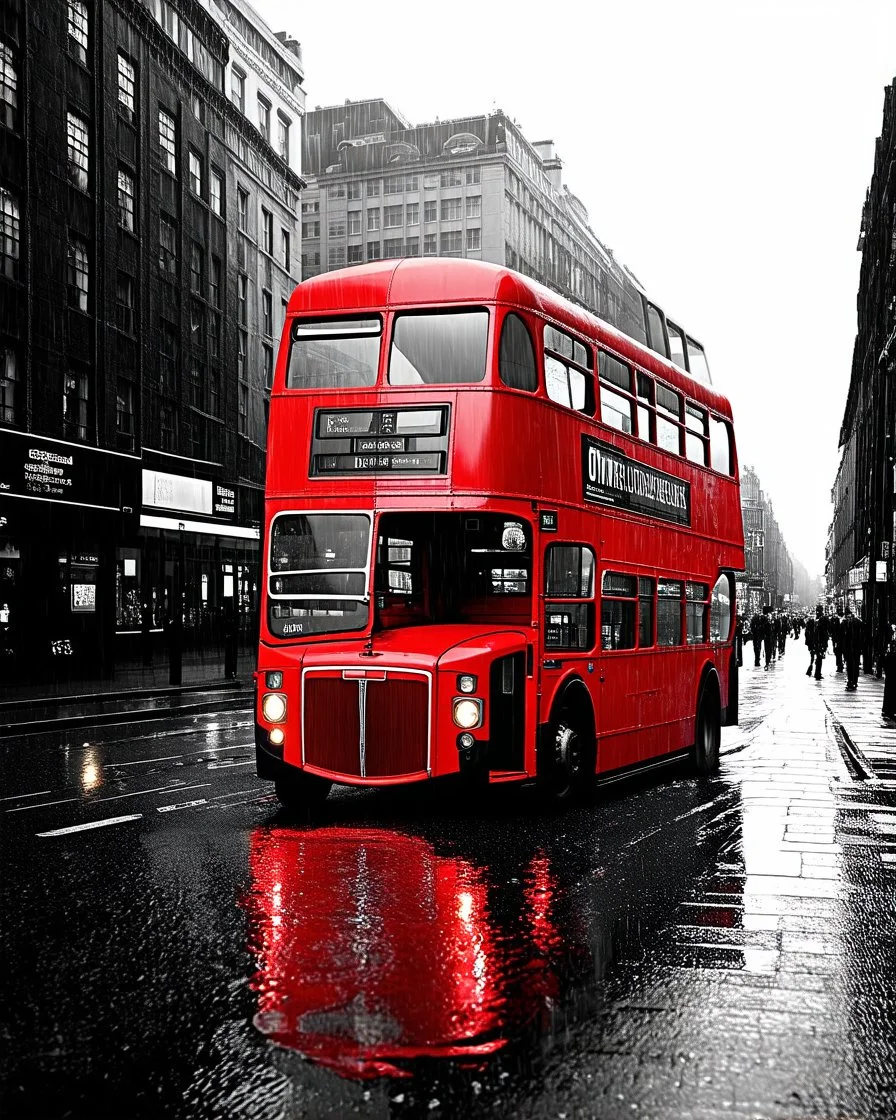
(143, 761)
(43, 805)
(92, 824)
(236, 793)
(228, 764)
(182, 805)
(20, 796)
(157, 789)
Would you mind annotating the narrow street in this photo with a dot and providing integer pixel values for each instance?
(175, 943)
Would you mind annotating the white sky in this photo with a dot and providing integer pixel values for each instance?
(722, 147)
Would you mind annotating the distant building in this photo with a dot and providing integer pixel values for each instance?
(861, 568)
(379, 187)
(149, 241)
(768, 578)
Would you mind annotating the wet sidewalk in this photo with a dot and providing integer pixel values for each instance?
(771, 993)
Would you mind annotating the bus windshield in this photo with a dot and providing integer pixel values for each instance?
(334, 353)
(446, 348)
(317, 578)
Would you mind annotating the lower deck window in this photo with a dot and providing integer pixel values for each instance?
(668, 613)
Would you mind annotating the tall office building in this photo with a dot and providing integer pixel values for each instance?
(149, 193)
(379, 187)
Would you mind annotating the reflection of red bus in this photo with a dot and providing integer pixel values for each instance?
(499, 540)
(343, 923)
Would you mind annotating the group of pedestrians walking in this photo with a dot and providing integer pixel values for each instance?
(843, 631)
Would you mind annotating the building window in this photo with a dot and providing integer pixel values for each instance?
(267, 314)
(9, 84)
(127, 87)
(392, 247)
(167, 426)
(124, 310)
(216, 192)
(78, 151)
(449, 178)
(264, 117)
(354, 223)
(310, 208)
(373, 250)
(195, 268)
(214, 391)
(242, 349)
(474, 239)
(353, 192)
(430, 213)
(310, 229)
(267, 231)
(75, 405)
(238, 89)
(242, 198)
(393, 217)
(9, 235)
(168, 141)
(242, 299)
(412, 247)
(336, 190)
(78, 29)
(243, 413)
(9, 377)
(283, 137)
(214, 333)
(355, 254)
(285, 248)
(452, 209)
(197, 324)
(168, 354)
(124, 413)
(336, 228)
(413, 211)
(429, 245)
(373, 188)
(194, 160)
(214, 281)
(336, 256)
(268, 366)
(125, 199)
(473, 175)
(474, 206)
(451, 242)
(167, 244)
(373, 221)
(78, 274)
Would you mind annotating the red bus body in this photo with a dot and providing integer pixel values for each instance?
(458, 575)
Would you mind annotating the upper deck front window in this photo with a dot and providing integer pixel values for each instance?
(334, 353)
(443, 348)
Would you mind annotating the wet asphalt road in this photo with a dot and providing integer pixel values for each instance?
(676, 949)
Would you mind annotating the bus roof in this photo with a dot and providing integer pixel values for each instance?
(418, 281)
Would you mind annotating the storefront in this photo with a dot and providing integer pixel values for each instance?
(65, 509)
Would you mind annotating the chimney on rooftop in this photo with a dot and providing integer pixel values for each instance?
(551, 163)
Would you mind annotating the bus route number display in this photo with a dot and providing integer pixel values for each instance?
(612, 478)
(380, 440)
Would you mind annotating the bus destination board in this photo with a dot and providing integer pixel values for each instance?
(380, 440)
(612, 478)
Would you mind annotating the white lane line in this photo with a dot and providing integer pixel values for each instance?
(182, 805)
(92, 824)
(22, 796)
(142, 761)
(229, 764)
(158, 789)
(43, 805)
(236, 793)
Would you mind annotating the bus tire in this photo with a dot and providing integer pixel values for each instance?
(567, 770)
(708, 728)
(300, 791)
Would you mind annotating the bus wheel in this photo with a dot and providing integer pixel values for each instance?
(708, 729)
(301, 791)
(569, 767)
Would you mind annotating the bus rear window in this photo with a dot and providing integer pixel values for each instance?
(334, 353)
(445, 348)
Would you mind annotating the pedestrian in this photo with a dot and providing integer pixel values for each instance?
(851, 633)
(782, 633)
(817, 641)
(835, 626)
(888, 711)
(768, 636)
(757, 626)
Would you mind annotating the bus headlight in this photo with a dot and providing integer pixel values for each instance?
(273, 707)
(467, 713)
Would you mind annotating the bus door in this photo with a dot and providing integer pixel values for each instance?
(569, 626)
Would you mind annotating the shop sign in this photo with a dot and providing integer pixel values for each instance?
(53, 471)
(859, 574)
(880, 574)
(225, 501)
(188, 495)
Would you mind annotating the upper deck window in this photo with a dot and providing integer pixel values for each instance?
(676, 345)
(615, 408)
(697, 362)
(440, 348)
(517, 360)
(720, 446)
(567, 371)
(334, 353)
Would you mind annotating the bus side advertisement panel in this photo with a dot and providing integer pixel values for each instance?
(611, 478)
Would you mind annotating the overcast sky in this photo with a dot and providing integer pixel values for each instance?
(723, 150)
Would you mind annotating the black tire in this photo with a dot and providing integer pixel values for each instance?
(567, 770)
(301, 792)
(708, 729)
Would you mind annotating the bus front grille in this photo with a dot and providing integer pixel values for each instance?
(370, 727)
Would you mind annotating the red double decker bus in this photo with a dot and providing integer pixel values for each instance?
(500, 540)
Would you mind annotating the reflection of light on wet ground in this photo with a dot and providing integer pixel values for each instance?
(91, 770)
